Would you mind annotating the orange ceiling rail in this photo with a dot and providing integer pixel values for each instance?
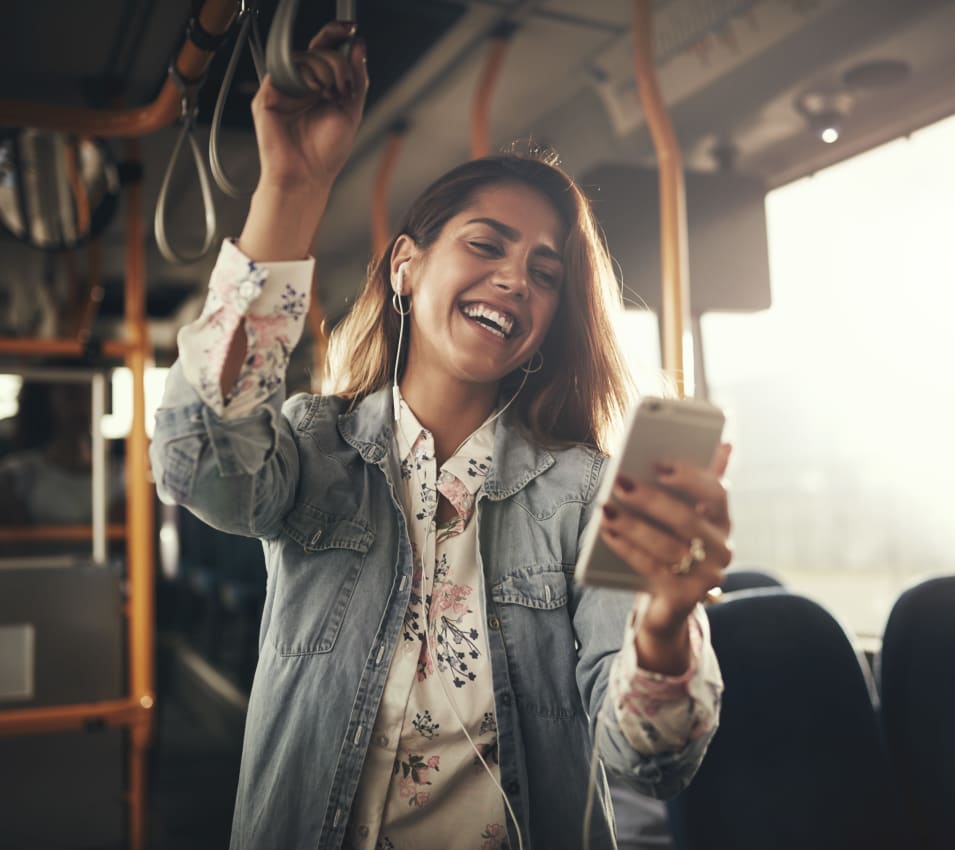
(674, 254)
(215, 18)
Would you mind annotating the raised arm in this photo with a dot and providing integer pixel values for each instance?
(224, 444)
(303, 144)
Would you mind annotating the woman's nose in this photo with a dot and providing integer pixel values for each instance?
(512, 281)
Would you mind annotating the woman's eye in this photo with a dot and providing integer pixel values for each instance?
(486, 247)
(546, 277)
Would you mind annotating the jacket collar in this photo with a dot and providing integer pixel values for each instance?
(369, 429)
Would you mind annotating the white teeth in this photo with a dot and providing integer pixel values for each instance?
(501, 323)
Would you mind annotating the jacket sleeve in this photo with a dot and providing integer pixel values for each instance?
(600, 622)
(233, 461)
(238, 475)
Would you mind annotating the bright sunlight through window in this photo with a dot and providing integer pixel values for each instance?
(841, 397)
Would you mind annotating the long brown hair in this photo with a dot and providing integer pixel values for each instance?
(584, 387)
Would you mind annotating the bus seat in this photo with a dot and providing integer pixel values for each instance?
(798, 760)
(917, 681)
(747, 578)
(641, 820)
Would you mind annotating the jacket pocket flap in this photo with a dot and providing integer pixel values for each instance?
(544, 590)
(314, 530)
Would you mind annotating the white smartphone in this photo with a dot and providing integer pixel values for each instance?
(659, 429)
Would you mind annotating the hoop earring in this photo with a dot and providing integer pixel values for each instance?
(527, 370)
(396, 304)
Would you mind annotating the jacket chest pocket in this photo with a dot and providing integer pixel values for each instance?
(314, 579)
(539, 637)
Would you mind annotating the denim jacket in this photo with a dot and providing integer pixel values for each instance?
(319, 484)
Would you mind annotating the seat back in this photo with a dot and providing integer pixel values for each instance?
(798, 760)
(917, 680)
(748, 578)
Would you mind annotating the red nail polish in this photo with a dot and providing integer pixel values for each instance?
(625, 484)
(610, 512)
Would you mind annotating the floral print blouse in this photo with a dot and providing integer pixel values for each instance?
(423, 784)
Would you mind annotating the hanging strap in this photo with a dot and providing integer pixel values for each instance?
(279, 58)
(188, 108)
(248, 32)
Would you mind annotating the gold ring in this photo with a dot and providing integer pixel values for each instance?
(694, 555)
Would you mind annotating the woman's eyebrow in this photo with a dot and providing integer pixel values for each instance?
(513, 235)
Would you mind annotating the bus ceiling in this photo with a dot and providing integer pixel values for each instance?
(760, 90)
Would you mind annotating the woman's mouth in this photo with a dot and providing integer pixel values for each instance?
(497, 322)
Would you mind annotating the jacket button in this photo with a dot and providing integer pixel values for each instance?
(493, 623)
(363, 831)
(505, 699)
(513, 787)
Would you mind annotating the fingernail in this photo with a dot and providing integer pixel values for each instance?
(348, 26)
(664, 469)
(625, 484)
(610, 512)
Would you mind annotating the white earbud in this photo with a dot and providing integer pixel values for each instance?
(400, 284)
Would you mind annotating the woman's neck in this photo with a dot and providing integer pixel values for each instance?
(449, 409)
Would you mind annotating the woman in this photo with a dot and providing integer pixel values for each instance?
(429, 676)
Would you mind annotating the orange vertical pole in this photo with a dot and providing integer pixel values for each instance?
(674, 255)
(139, 511)
(380, 224)
(481, 105)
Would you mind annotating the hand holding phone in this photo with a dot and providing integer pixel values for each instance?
(658, 430)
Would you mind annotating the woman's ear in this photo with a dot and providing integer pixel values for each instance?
(401, 255)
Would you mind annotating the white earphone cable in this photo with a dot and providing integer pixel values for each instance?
(396, 398)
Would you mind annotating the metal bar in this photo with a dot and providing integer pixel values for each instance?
(139, 508)
(58, 718)
(59, 533)
(481, 105)
(380, 224)
(94, 291)
(98, 410)
(33, 347)
(674, 258)
(215, 17)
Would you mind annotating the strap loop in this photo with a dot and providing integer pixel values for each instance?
(249, 31)
(188, 109)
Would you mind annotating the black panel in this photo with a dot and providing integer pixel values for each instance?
(62, 791)
(77, 617)
(726, 219)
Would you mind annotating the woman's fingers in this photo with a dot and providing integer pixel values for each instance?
(338, 74)
(661, 545)
(693, 585)
(332, 35)
(703, 488)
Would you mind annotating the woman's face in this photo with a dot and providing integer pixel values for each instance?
(483, 295)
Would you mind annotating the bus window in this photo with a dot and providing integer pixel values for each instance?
(840, 397)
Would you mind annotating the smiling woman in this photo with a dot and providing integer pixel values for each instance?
(427, 666)
(561, 264)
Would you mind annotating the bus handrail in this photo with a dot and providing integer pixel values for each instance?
(214, 19)
(674, 253)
